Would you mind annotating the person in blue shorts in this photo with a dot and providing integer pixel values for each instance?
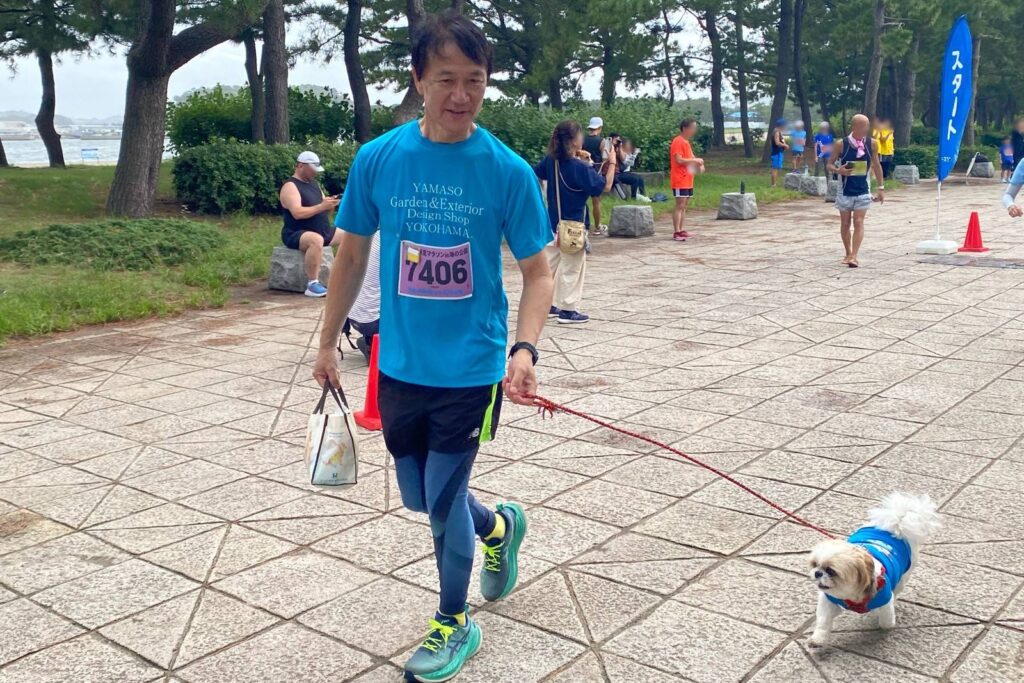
(445, 194)
(797, 142)
(1006, 159)
(823, 141)
(779, 148)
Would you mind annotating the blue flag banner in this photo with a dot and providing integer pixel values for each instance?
(955, 100)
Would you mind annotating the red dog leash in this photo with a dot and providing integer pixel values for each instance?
(548, 407)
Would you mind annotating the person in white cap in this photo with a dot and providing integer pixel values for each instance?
(599, 149)
(307, 226)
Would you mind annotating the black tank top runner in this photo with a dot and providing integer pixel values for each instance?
(855, 185)
(311, 196)
(592, 144)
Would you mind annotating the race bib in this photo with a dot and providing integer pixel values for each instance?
(435, 272)
(859, 168)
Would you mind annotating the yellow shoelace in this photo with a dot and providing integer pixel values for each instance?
(434, 643)
(492, 557)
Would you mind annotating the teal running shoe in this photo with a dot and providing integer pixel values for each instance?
(445, 649)
(500, 569)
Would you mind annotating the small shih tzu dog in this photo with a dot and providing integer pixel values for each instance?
(867, 570)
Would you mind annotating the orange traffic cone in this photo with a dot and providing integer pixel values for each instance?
(369, 416)
(972, 242)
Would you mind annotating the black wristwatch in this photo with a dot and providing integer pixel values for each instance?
(519, 346)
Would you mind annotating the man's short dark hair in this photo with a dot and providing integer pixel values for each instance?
(450, 28)
(686, 123)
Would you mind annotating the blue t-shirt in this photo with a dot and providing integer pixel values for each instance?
(894, 556)
(442, 211)
(823, 144)
(1006, 153)
(798, 139)
(579, 183)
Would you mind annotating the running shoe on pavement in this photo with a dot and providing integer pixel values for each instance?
(679, 236)
(445, 650)
(500, 569)
(567, 317)
(315, 289)
(554, 312)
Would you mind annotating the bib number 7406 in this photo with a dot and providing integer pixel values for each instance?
(427, 272)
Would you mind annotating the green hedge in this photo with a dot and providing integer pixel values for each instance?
(650, 124)
(228, 177)
(210, 115)
(141, 244)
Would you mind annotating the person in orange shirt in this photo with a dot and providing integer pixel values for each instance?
(683, 166)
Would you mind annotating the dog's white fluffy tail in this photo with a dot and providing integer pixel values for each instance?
(907, 516)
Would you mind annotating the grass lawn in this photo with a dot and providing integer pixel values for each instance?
(43, 299)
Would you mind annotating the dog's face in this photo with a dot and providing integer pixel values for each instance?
(842, 570)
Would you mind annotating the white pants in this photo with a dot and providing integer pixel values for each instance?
(568, 271)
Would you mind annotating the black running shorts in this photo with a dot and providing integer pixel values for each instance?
(418, 419)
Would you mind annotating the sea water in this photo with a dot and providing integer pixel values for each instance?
(33, 152)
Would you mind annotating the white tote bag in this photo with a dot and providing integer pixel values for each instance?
(332, 453)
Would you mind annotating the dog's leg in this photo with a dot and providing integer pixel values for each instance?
(887, 615)
(826, 614)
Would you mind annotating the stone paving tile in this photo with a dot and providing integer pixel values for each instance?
(117, 591)
(822, 387)
(294, 583)
(286, 653)
(56, 561)
(677, 638)
(26, 627)
(88, 658)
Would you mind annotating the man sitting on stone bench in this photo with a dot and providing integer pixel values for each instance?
(307, 226)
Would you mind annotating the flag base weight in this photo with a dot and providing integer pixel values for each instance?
(936, 247)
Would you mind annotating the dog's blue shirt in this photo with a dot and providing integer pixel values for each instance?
(893, 554)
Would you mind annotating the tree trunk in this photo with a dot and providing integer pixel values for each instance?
(555, 93)
(799, 9)
(133, 191)
(666, 47)
(610, 74)
(875, 68)
(3, 155)
(412, 102)
(275, 73)
(259, 105)
(908, 87)
(717, 115)
(356, 78)
(969, 130)
(741, 79)
(47, 108)
(783, 71)
(155, 54)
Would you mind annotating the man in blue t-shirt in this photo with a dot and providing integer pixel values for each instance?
(444, 194)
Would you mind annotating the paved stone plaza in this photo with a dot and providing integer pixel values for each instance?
(155, 525)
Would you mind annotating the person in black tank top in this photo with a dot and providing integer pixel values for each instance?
(854, 157)
(307, 224)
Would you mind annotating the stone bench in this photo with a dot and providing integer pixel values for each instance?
(908, 175)
(833, 190)
(792, 181)
(629, 220)
(734, 206)
(288, 269)
(815, 186)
